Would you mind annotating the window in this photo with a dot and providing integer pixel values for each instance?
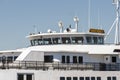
(108, 78)
(15, 57)
(9, 59)
(47, 41)
(63, 59)
(114, 59)
(77, 40)
(29, 77)
(66, 40)
(31, 42)
(81, 78)
(56, 40)
(68, 78)
(68, 59)
(48, 58)
(62, 78)
(92, 78)
(87, 78)
(114, 78)
(100, 40)
(35, 42)
(40, 41)
(89, 40)
(95, 40)
(80, 59)
(20, 77)
(0, 59)
(98, 78)
(74, 59)
(25, 76)
(75, 78)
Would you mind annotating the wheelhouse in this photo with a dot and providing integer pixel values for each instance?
(66, 38)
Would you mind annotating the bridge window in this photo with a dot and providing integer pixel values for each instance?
(77, 40)
(32, 42)
(89, 40)
(95, 41)
(40, 41)
(56, 40)
(47, 41)
(66, 40)
(100, 40)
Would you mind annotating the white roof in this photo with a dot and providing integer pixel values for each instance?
(62, 34)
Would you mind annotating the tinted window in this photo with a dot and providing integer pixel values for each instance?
(81, 78)
(68, 78)
(48, 58)
(75, 78)
(29, 77)
(63, 59)
(20, 77)
(62, 78)
(98, 78)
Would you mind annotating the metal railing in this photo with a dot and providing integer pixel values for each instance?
(61, 66)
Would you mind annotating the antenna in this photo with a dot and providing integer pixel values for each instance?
(76, 20)
(89, 7)
(35, 28)
(60, 24)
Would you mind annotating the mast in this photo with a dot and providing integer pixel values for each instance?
(116, 2)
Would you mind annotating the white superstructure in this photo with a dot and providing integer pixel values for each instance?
(68, 55)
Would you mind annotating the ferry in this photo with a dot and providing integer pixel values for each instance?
(64, 55)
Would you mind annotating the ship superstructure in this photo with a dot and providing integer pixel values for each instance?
(67, 55)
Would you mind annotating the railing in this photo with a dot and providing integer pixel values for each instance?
(61, 66)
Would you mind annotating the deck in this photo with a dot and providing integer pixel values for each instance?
(37, 65)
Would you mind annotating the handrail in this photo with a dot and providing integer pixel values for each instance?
(61, 66)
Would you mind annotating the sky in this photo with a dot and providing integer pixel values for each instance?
(18, 18)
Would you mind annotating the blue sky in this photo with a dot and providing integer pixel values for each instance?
(17, 17)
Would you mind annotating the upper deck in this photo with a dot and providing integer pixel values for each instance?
(66, 38)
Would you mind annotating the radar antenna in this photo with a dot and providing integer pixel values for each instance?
(60, 24)
(76, 20)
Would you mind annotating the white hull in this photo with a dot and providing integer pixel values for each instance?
(56, 74)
